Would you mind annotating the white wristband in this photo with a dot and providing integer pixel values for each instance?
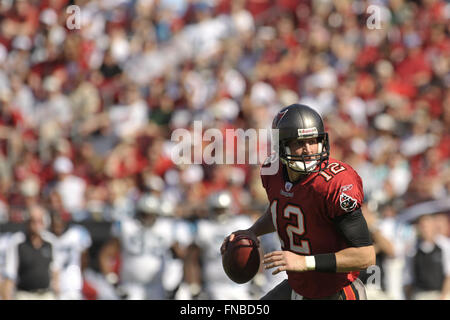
(310, 262)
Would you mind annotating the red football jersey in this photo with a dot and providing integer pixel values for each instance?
(303, 214)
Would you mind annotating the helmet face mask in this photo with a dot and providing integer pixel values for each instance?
(306, 163)
(300, 122)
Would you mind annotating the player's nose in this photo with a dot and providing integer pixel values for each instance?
(307, 147)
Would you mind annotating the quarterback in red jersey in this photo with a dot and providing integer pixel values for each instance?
(315, 207)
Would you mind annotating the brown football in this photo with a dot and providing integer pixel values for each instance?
(241, 259)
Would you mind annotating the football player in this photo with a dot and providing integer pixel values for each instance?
(315, 207)
(203, 265)
(147, 241)
(71, 243)
(4, 237)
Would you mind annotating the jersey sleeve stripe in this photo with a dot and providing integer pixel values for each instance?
(355, 291)
(348, 292)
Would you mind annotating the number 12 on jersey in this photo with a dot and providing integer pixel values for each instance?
(295, 227)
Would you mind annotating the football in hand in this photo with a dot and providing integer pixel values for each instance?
(241, 259)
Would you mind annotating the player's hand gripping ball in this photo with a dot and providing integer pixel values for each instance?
(240, 259)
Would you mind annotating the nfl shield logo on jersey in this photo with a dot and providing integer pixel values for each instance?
(288, 186)
(347, 203)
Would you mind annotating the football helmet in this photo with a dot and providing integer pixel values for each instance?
(148, 208)
(149, 204)
(299, 121)
(220, 203)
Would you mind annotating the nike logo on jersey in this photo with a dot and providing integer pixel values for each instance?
(346, 188)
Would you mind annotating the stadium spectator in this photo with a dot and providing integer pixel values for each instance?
(70, 188)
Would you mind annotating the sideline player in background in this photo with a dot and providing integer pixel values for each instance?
(4, 238)
(71, 242)
(205, 278)
(148, 242)
(315, 207)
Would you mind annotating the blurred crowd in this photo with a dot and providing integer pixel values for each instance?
(86, 114)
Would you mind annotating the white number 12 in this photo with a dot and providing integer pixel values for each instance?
(291, 230)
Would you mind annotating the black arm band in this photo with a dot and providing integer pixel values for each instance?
(325, 262)
(353, 228)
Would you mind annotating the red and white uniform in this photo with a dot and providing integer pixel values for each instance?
(303, 214)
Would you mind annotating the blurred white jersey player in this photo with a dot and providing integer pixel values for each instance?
(146, 241)
(4, 237)
(209, 237)
(70, 243)
(268, 243)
